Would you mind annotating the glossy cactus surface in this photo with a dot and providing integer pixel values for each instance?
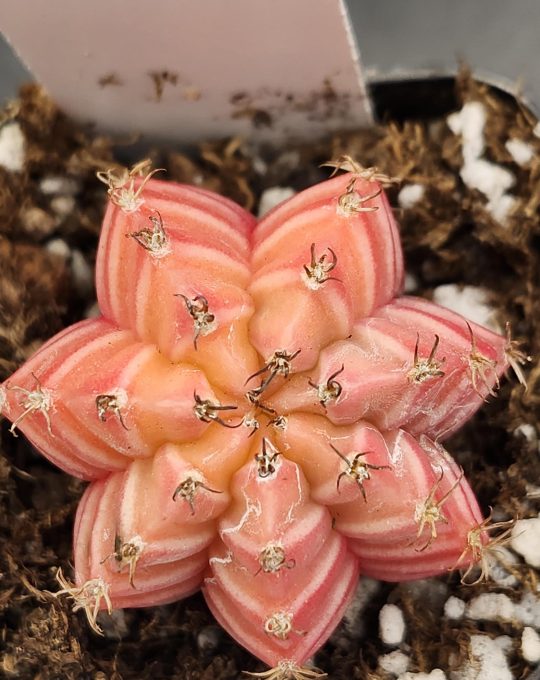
(258, 412)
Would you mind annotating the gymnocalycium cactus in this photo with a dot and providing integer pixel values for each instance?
(257, 412)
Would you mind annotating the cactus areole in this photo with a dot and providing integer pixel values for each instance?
(258, 412)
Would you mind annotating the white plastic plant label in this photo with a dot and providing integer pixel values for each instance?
(183, 70)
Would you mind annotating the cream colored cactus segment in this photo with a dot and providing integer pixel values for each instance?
(216, 454)
(138, 289)
(67, 366)
(362, 249)
(342, 463)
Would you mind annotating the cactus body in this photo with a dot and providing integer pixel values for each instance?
(256, 411)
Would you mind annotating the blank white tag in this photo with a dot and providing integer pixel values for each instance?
(183, 70)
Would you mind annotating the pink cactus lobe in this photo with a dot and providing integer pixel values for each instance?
(257, 411)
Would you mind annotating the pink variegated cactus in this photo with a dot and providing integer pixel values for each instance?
(257, 412)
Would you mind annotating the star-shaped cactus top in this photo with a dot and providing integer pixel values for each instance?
(257, 411)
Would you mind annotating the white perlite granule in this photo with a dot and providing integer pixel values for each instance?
(57, 246)
(500, 560)
(469, 301)
(272, 197)
(500, 207)
(83, 276)
(114, 625)
(410, 195)
(521, 151)
(92, 311)
(63, 205)
(478, 173)
(436, 674)
(492, 180)
(528, 431)
(353, 619)
(528, 609)
(395, 663)
(491, 607)
(410, 284)
(391, 625)
(526, 540)
(530, 645)
(454, 608)
(12, 147)
(487, 660)
(58, 185)
(469, 123)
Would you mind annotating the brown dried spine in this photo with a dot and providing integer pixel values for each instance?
(357, 469)
(330, 390)
(187, 490)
